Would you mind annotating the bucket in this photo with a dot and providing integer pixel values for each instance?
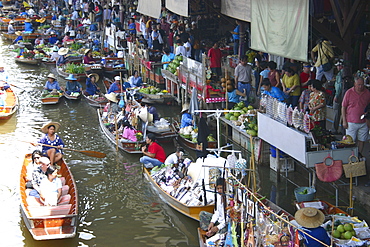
(304, 197)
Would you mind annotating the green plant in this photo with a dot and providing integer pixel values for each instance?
(76, 46)
(74, 68)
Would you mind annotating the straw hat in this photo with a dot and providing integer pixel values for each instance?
(44, 128)
(18, 33)
(309, 217)
(87, 51)
(111, 97)
(185, 107)
(27, 20)
(42, 20)
(63, 51)
(52, 76)
(347, 139)
(145, 116)
(94, 74)
(71, 77)
(11, 22)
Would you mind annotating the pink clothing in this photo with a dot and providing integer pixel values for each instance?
(355, 104)
(129, 134)
(215, 56)
(88, 59)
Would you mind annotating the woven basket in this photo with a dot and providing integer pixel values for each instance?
(356, 168)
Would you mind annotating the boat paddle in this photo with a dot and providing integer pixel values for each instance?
(17, 87)
(85, 152)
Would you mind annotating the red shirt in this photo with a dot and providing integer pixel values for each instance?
(355, 104)
(156, 149)
(305, 77)
(215, 57)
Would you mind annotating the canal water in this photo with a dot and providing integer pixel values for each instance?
(117, 206)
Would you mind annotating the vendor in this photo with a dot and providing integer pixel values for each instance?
(52, 83)
(274, 92)
(91, 87)
(234, 95)
(19, 37)
(88, 58)
(72, 86)
(135, 80)
(116, 86)
(62, 56)
(175, 158)
(317, 104)
(216, 222)
(54, 56)
(28, 26)
(39, 40)
(311, 220)
(186, 118)
(167, 57)
(154, 154)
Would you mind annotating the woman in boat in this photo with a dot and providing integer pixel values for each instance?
(51, 188)
(52, 83)
(154, 154)
(35, 157)
(186, 118)
(113, 104)
(311, 220)
(116, 86)
(88, 58)
(38, 175)
(28, 26)
(91, 87)
(11, 29)
(216, 222)
(52, 139)
(135, 80)
(72, 85)
(19, 37)
(62, 56)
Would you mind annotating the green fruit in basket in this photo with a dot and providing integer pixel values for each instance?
(341, 228)
(233, 118)
(336, 234)
(348, 227)
(348, 235)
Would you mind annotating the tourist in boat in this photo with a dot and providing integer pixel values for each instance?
(154, 154)
(274, 92)
(112, 107)
(175, 158)
(35, 157)
(215, 223)
(38, 175)
(28, 26)
(62, 56)
(11, 29)
(116, 86)
(88, 58)
(52, 139)
(72, 85)
(186, 118)
(311, 220)
(91, 87)
(135, 80)
(52, 84)
(51, 187)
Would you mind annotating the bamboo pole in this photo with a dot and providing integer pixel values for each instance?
(116, 127)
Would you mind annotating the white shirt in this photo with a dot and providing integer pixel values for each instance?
(219, 215)
(50, 190)
(171, 159)
(180, 50)
(187, 46)
(86, 22)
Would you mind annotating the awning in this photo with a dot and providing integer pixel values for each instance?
(280, 27)
(238, 9)
(180, 7)
(150, 8)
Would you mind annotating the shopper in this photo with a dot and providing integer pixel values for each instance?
(215, 56)
(323, 60)
(243, 76)
(291, 87)
(337, 101)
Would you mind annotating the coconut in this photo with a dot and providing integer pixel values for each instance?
(223, 84)
(229, 82)
(223, 80)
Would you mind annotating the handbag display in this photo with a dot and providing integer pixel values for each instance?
(354, 168)
(329, 173)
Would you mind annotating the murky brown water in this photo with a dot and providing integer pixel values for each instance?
(117, 206)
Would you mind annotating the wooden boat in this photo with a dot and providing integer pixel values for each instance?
(72, 97)
(28, 61)
(26, 36)
(157, 98)
(4, 28)
(192, 145)
(80, 77)
(109, 68)
(163, 135)
(95, 102)
(50, 222)
(94, 68)
(327, 208)
(190, 211)
(50, 99)
(11, 105)
(127, 146)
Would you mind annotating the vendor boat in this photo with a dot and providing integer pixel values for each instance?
(4, 28)
(162, 134)
(72, 97)
(97, 100)
(50, 222)
(189, 211)
(126, 145)
(50, 99)
(32, 61)
(80, 77)
(113, 65)
(11, 105)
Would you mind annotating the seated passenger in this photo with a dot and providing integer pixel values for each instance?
(37, 176)
(52, 139)
(51, 83)
(116, 86)
(62, 56)
(34, 165)
(91, 87)
(51, 188)
(72, 85)
(154, 154)
(175, 158)
(186, 118)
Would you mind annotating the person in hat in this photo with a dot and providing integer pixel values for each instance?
(72, 85)
(306, 75)
(135, 80)
(91, 87)
(154, 154)
(50, 30)
(62, 56)
(215, 223)
(337, 100)
(53, 38)
(28, 26)
(311, 220)
(116, 86)
(54, 56)
(186, 118)
(88, 58)
(50, 138)
(11, 29)
(21, 49)
(347, 140)
(19, 37)
(52, 84)
(113, 103)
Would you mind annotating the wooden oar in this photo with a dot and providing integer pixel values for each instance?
(85, 152)
(17, 87)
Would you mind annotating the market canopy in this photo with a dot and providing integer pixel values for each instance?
(180, 7)
(238, 9)
(150, 8)
(280, 27)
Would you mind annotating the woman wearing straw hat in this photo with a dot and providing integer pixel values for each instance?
(91, 87)
(51, 138)
(52, 83)
(62, 56)
(19, 37)
(186, 118)
(88, 58)
(311, 220)
(72, 85)
(28, 26)
(113, 103)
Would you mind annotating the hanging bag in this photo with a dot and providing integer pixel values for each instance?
(231, 159)
(329, 172)
(356, 168)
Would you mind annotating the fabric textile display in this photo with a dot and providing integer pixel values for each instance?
(329, 173)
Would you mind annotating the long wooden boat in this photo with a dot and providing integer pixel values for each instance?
(11, 105)
(127, 146)
(50, 222)
(50, 100)
(28, 61)
(189, 211)
(192, 145)
(163, 135)
(4, 28)
(26, 36)
(80, 77)
(110, 63)
(72, 97)
(99, 101)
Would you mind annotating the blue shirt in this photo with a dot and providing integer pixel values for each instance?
(114, 88)
(186, 120)
(132, 28)
(50, 86)
(276, 93)
(236, 30)
(319, 233)
(57, 142)
(135, 82)
(233, 97)
(265, 73)
(91, 88)
(19, 38)
(28, 27)
(61, 60)
(53, 40)
(73, 86)
(167, 58)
